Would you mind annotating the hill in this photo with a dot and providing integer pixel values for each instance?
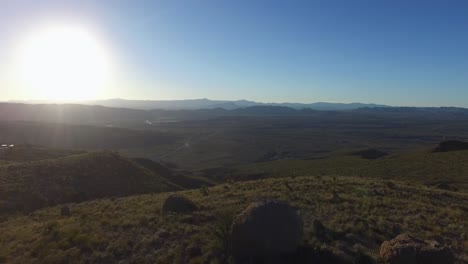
(132, 229)
(32, 185)
(25, 153)
(437, 169)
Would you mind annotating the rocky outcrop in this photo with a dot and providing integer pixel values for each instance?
(406, 249)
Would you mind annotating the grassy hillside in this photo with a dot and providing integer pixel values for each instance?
(27, 186)
(426, 167)
(132, 229)
(26, 153)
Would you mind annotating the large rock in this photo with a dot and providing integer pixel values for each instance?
(178, 204)
(406, 249)
(266, 228)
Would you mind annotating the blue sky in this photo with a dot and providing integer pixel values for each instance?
(390, 52)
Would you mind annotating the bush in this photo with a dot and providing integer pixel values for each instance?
(204, 190)
(222, 230)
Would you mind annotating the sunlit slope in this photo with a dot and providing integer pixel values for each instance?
(28, 186)
(423, 166)
(132, 229)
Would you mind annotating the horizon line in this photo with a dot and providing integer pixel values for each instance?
(78, 101)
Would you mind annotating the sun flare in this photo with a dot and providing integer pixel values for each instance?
(63, 62)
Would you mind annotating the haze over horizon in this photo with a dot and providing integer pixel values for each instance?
(208, 103)
(392, 53)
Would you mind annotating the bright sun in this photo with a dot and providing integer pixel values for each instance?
(63, 62)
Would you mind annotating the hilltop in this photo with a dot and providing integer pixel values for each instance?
(365, 213)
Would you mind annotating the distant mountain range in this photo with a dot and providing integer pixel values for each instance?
(123, 116)
(228, 105)
(195, 104)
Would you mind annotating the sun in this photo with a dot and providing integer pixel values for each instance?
(63, 62)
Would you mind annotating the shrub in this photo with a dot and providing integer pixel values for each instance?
(204, 190)
(222, 229)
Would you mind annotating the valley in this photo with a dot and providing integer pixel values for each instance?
(94, 193)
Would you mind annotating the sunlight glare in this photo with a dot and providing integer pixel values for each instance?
(63, 62)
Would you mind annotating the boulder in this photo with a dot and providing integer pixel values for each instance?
(406, 249)
(266, 228)
(178, 204)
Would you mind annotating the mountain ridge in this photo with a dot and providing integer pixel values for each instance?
(204, 103)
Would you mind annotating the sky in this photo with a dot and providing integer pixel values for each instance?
(412, 53)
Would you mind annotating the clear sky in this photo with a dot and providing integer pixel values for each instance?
(390, 52)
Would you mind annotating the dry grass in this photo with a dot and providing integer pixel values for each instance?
(132, 230)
